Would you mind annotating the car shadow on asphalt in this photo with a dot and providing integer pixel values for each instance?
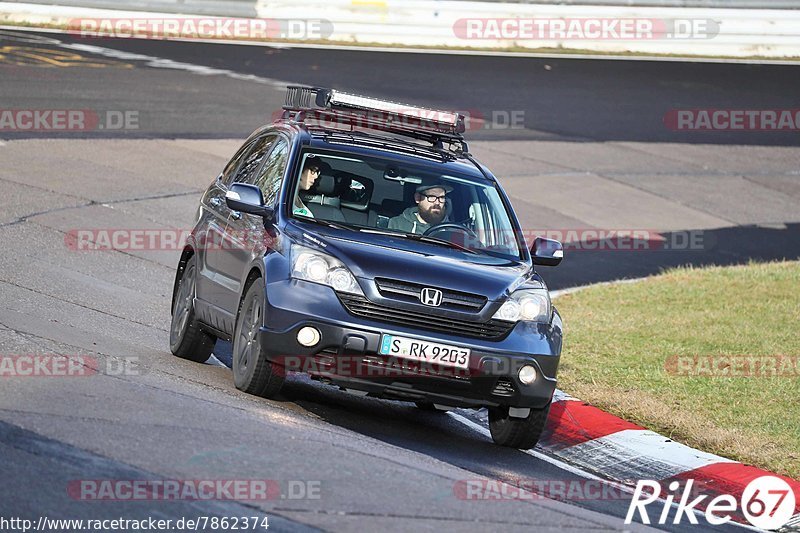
(446, 439)
(596, 261)
(402, 424)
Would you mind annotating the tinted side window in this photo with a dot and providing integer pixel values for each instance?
(233, 164)
(252, 162)
(271, 176)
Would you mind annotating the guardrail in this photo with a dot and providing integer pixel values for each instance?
(717, 32)
(225, 8)
(769, 33)
(723, 4)
(242, 7)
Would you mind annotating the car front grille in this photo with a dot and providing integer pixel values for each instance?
(409, 292)
(361, 306)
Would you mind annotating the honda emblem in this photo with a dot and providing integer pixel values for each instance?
(431, 297)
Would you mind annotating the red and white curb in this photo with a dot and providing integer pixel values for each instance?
(607, 447)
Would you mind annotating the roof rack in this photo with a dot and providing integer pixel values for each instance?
(391, 144)
(336, 108)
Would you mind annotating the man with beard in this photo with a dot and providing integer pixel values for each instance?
(429, 211)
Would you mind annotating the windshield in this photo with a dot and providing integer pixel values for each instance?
(421, 202)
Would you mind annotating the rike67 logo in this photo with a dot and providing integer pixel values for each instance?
(767, 502)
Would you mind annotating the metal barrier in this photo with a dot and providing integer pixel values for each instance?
(729, 32)
(770, 33)
(223, 8)
(718, 4)
(246, 8)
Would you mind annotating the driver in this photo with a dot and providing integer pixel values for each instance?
(429, 211)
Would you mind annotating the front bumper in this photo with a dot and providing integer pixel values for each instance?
(347, 353)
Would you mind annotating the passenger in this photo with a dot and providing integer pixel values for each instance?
(430, 210)
(311, 172)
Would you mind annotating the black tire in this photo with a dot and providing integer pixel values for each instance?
(521, 433)
(252, 373)
(428, 406)
(186, 339)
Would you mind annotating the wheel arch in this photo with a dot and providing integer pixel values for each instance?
(187, 253)
(255, 272)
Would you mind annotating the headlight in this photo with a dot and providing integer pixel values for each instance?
(532, 305)
(318, 267)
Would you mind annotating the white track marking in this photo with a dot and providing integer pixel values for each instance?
(555, 462)
(561, 396)
(638, 454)
(213, 361)
(574, 470)
(487, 53)
(158, 62)
(151, 61)
(562, 292)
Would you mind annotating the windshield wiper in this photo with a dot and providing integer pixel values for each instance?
(440, 242)
(413, 236)
(324, 222)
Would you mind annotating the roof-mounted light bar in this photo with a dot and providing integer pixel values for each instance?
(384, 111)
(299, 97)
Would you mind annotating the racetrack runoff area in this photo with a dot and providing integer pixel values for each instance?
(59, 299)
(168, 418)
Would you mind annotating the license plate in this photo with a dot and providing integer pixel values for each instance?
(429, 352)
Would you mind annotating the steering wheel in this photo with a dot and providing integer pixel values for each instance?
(449, 226)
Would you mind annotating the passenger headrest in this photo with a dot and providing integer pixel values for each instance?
(326, 184)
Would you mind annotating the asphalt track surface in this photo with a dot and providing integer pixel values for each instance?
(581, 100)
(378, 464)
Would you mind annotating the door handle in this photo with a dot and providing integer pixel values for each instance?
(236, 215)
(216, 201)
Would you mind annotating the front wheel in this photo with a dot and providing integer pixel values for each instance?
(252, 373)
(186, 339)
(521, 433)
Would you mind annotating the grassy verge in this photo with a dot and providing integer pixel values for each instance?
(620, 340)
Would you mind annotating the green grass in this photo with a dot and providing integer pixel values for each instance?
(619, 337)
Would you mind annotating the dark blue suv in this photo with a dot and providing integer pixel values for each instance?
(358, 241)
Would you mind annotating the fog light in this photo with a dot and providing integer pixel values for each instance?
(527, 374)
(308, 336)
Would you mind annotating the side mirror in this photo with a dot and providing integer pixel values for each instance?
(247, 199)
(547, 252)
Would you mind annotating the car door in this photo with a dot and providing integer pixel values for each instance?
(241, 228)
(211, 230)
